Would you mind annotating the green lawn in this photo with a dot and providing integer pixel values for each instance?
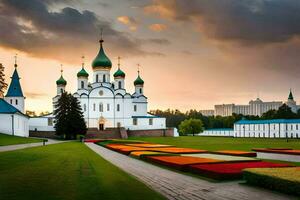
(222, 143)
(10, 140)
(66, 171)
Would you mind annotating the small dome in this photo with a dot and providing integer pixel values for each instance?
(101, 60)
(119, 73)
(61, 81)
(138, 81)
(82, 73)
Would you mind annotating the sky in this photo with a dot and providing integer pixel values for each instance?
(193, 53)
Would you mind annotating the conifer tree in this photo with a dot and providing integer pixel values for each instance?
(69, 117)
(3, 85)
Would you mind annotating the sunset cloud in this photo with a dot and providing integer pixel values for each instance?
(158, 27)
(129, 21)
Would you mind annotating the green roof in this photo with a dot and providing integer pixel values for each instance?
(138, 81)
(61, 81)
(120, 73)
(82, 73)
(101, 59)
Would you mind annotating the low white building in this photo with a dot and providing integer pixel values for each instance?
(225, 132)
(13, 121)
(275, 128)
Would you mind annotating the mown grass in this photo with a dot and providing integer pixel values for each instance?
(222, 143)
(65, 171)
(11, 140)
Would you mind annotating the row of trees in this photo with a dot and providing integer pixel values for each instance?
(3, 84)
(175, 117)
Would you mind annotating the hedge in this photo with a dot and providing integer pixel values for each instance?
(286, 180)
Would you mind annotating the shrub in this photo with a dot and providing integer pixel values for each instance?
(286, 180)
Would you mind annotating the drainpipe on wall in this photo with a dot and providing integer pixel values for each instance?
(12, 125)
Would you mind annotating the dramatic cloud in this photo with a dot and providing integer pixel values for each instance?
(129, 21)
(157, 27)
(31, 27)
(247, 22)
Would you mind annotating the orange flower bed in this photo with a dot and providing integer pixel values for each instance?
(150, 145)
(142, 154)
(236, 153)
(180, 162)
(176, 150)
(281, 151)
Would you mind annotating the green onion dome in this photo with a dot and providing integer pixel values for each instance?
(138, 81)
(101, 60)
(61, 81)
(119, 73)
(82, 73)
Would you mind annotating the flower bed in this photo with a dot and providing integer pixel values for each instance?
(176, 150)
(223, 157)
(142, 154)
(227, 171)
(179, 162)
(285, 180)
(150, 145)
(280, 151)
(236, 153)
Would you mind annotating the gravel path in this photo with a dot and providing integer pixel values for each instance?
(28, 145)
(174, 185)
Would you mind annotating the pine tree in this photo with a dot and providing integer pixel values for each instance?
(3, 85)
(69, 117)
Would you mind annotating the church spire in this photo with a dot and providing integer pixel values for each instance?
(61, 80)
(291, 97)
(15, 89)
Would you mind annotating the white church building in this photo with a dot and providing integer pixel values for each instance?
(13, 121)
(105, 101)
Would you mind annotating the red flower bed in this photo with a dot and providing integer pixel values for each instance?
(236, 153)
(93, 140)
(226, 171)
(180, 162)
(281, 151)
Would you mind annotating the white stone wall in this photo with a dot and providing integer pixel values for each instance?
(42, 123)
(217, 132)
(14, 124)
(17, 102)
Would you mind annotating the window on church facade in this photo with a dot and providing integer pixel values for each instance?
(97, 78)
(104, 78)
(135, 122)
(84, 107)
(120, 84)
(134, 108)
(16, 101)
(94, 107)
(141, 91)
(118, 107)
(150, 122)
(108, 107)
(82, 84)
(11, 101)
(101, 107)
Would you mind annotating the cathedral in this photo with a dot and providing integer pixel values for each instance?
(104, 100)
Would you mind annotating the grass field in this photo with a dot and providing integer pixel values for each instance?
(222, 143)
(10, 140)
(65, 171)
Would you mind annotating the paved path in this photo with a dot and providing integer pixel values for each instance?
(174, 185)
(28, 145)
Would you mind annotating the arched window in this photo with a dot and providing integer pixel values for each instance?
(118, 107)
(104, 78)
(108, 107)
(97, 78)
(120, 84)
(134, 108)
(82, 84)
(94, 107)
(16, 101)
(11, 101)
(84, 107)
(101, 107)
(141, 91)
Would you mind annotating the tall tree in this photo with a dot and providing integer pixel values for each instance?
(69, 117)
(285, 112)
(3, 85)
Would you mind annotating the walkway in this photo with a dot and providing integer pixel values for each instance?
(174, 185)
(27, 145)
